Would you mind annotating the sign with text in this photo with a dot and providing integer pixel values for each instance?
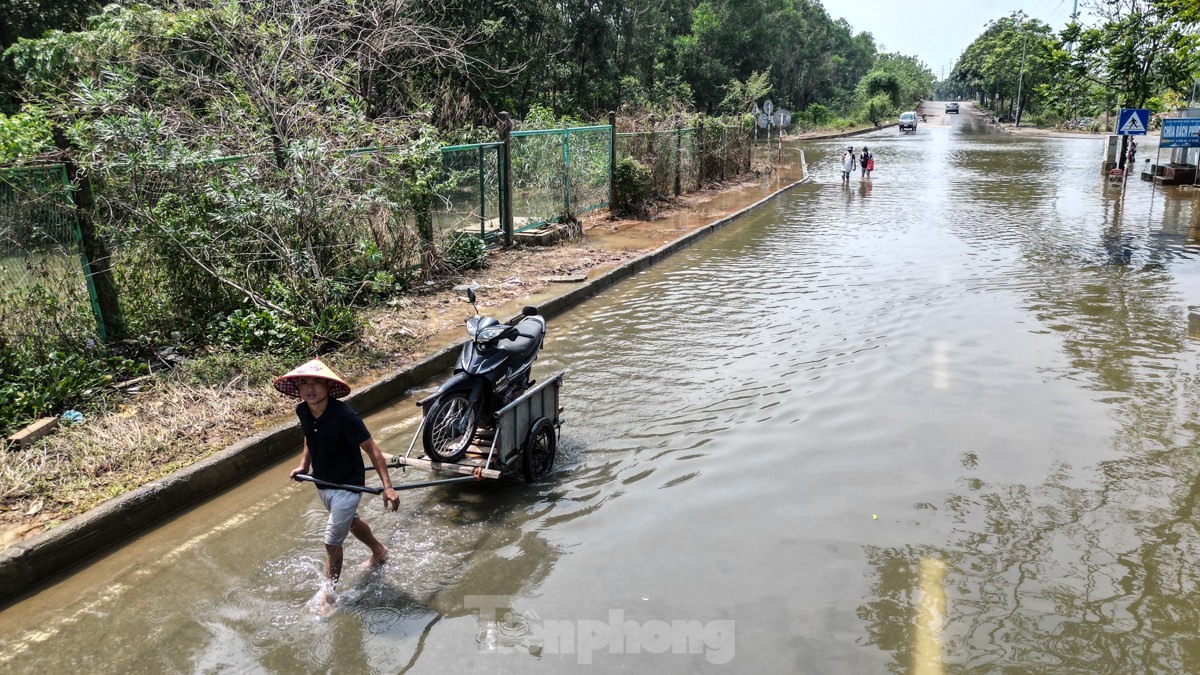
(1133, 122)
(1180, 133)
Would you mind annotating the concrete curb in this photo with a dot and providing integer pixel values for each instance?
(846, 134)
(26, 564)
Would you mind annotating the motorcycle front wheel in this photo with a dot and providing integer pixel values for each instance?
(449, 427)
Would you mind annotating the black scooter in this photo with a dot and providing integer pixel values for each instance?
(493, 370)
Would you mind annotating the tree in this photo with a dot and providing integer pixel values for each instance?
(895, 81)
(741, 96)
(155, 95)
(1140, 48)
(1013, 55)
(30, 19)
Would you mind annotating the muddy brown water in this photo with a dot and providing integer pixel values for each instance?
(942, 421)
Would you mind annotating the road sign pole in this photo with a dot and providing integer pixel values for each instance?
(1124, 140)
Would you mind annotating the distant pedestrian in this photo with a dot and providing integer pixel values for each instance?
(849, 161)
(866, 163)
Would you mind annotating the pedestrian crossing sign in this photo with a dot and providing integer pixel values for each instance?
(1133, 122)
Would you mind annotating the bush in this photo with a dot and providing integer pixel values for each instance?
(633, 187)
(814, 115)
(463, 251)
(259, 330)
(373, 277)
(24, 135)
(61, 381)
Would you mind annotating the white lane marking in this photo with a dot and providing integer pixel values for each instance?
(931, 618)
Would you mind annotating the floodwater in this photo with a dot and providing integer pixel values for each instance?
(942, 421)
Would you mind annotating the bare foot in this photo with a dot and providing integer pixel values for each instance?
(377, 559)
(324, 602)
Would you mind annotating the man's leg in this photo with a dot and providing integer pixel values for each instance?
(362, 532)
(343, 511)
(333, 562)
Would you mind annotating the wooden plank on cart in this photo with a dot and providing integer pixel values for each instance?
(468, 466)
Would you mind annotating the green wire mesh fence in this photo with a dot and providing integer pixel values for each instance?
(188, 242)
(559, 172)
(685, 159)
(196, 241)
(43, 284)
(471, 201)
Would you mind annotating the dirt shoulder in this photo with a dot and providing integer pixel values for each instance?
(208, 403)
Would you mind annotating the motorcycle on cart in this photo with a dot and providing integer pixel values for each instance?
(490, 419)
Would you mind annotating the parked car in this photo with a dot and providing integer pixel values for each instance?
(1005, 118)
(908, 121)
(952, 107)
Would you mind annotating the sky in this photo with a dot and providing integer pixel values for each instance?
(938, 31)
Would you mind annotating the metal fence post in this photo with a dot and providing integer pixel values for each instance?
(506, 207)
(97, 258)
(678, 156)
(567, 174)
(650, 139)
(612, 152)
(750, 143)
(482, 196)
(724, 151)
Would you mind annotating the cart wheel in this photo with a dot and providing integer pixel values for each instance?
(537, 457)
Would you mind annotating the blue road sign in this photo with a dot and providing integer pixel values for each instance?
(1133, 122)
(1184, 133)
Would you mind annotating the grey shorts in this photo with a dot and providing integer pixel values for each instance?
(343, 508)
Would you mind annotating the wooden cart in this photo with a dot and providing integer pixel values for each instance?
(523, 441)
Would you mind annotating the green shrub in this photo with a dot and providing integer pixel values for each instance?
(260, 330)
(372, 278)
(464, 251)
(335, 325)
(58, 382)
(24, 135)
(633, 187)
(814, 115)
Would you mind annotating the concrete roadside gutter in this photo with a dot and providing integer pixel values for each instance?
(25, 564)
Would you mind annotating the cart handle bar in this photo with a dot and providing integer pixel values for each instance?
(377, 490)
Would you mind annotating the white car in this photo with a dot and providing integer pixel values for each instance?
(952, 107)
(908, 121)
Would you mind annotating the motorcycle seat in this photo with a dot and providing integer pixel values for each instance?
(524, 346)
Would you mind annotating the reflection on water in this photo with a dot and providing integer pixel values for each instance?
(941, 420)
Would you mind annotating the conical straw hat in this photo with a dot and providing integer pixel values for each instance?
(337, 386)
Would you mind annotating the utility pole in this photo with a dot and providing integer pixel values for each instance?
(1021, 78)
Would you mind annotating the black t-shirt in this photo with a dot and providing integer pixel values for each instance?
(333, 440)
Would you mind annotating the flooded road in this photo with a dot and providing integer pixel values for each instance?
(942, 421)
